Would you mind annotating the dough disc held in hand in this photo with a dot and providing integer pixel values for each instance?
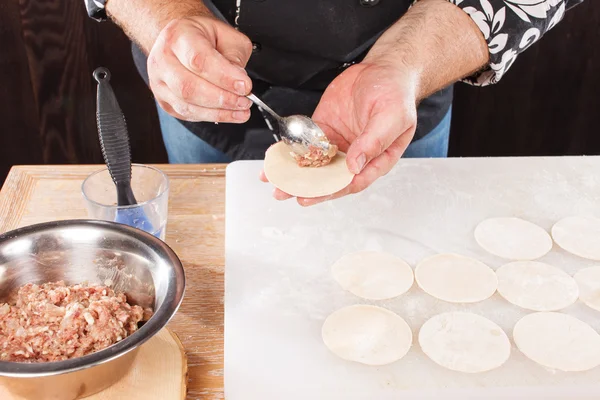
(536, 286)
(558, 341)
(579, 236)
(367, 334)
(464, 342)
(513, 238)
(284, 173)
(455, 278)
(373, 275)
(588, 280)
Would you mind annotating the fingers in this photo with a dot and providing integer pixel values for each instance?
(304, 202)
(377, 168)
(381, 131)
(191, 89)
(263, 177)
(379, 165)
(277, 194)
(358, 184)
(235, 48)
(196, 53)
(281, 196)
(191, 80)
(190, 112)
(333, 136)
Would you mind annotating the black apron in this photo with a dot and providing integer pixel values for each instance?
(300, 46)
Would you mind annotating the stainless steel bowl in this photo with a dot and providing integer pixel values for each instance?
(78, 251)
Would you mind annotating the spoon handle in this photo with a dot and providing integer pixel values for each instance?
(262, 105)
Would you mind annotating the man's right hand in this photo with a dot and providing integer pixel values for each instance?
(196, 70)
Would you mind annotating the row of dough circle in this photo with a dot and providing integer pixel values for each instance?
(461, 341)
(517, 239)
(531, 285)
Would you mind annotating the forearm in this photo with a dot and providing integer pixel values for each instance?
(436, 42)
(142, 20)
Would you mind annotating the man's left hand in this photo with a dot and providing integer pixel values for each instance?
(369, 112)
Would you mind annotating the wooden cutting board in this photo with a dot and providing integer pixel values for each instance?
(159, 372)
(195, 231)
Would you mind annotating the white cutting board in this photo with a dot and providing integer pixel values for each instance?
(279, 290)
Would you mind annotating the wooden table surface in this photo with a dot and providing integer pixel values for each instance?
(195, 231)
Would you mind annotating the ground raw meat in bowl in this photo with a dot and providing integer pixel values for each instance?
(55, 322)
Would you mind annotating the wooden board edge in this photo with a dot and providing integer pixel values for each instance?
(77, 171)
(21, 181)
(14, 197)
(184, 372)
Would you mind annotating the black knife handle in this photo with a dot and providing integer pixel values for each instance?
(114, 139)
(125, 195)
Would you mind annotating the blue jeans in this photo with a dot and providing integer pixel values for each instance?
(183, 147)
(434, 144)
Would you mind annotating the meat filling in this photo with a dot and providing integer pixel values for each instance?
(54, 322)
(316, 157)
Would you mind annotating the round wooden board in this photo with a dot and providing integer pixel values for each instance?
(159, 372)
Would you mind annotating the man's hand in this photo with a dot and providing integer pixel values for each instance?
(195, 62)
(369, 111)
(196, 70)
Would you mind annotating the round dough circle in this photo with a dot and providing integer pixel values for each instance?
(558, 341)
(373, 275)
(588, 280)
(579, 235)
(513, 238)
(455, 278)
(367, 334)
(464, 342)
(536, 286)
(284, 173)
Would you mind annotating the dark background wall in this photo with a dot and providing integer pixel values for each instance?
(547, 104)
(48, 51)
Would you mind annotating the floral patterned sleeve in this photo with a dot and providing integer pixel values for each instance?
(510, 27)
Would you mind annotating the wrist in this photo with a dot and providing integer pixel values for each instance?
(143, 20)
(179, 13)
(435, 41)
(404, 64)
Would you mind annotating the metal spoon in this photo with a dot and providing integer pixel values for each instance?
(297, 131)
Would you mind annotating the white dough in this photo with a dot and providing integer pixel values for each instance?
(588, 280)
(558, 341)
(367, 334)
(284, 173)
(536, 286)
(513, 238)
(464, 342)
(579, 235)
(455, 278)
(373, 275)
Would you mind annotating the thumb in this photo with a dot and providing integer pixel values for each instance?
(381, 131)
(234, 46)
